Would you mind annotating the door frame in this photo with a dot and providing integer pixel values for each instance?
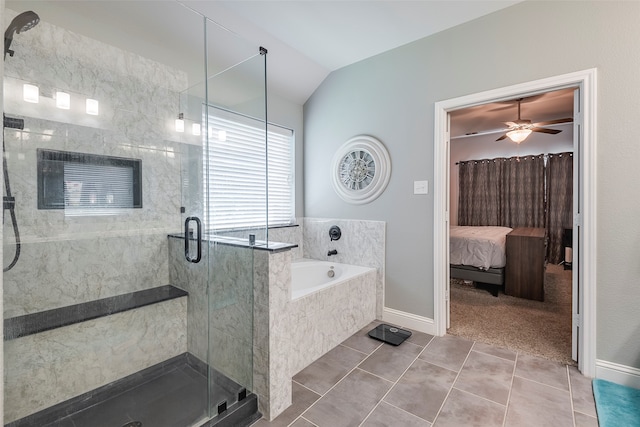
(585, 220)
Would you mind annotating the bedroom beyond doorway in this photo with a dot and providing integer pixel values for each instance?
(584, 229)
(540, 328)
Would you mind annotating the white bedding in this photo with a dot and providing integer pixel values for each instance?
(481, 247)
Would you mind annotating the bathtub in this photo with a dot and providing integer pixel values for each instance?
(309, 276)
(325, 311)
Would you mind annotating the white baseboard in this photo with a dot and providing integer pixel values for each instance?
(619, 374)
(408, 320)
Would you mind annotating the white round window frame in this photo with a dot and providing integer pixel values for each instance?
(380, 156)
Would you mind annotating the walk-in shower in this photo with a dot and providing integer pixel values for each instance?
(124, 309)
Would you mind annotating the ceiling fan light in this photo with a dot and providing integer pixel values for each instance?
(518, 135)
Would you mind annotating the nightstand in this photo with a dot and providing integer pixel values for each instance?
(524, 275)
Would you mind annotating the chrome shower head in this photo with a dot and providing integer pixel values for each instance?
(23, 22)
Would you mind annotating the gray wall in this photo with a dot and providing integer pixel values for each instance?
(391, 97)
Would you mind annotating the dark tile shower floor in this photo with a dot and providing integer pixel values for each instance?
(435, 381)
(177, 398)
(173, 395)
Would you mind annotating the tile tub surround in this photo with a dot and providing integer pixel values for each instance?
(65, 259)
(364, 382)
(100, 351)
(362, 243)
(272, 338)
(289, 335)
(322, 320)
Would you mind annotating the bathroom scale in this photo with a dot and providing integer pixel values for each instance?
(389, 334)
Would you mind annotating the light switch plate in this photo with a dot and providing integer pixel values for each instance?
(420, 187)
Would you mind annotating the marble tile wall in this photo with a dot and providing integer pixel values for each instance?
(220, 301)
(59, 273)
(67, 259)
(290, 235)
(362, 243)
(129, 342)
(272, 339)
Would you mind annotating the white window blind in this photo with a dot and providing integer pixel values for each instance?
(235, 170)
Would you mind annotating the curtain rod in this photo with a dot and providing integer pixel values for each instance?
(518, 157)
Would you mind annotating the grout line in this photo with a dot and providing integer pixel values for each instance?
(481, 397)
(393, 385)
(544, 384)
(376, 375)
(332, 387)
(573, 415)
(360, 351)
(311, 390)
(301, 417)
(400, 409)
(585, 414)
(493, 355)
(452, 384)
(513, 375)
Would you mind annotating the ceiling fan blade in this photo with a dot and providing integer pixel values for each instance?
(554, 122)
(544, 130)
(501, 138)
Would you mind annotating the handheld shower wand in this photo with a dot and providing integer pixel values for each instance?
(23, 22)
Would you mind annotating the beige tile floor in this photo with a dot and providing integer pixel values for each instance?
(435, 381)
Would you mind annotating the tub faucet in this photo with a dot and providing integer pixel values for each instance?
(332, 252)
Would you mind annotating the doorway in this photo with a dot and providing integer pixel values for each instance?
(583, 328)
(529, 309)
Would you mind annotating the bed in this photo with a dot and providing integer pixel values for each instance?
(478, 253)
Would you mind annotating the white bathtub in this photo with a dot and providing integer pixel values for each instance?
(309, 276)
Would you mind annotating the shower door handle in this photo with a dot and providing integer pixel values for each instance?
(187, 235)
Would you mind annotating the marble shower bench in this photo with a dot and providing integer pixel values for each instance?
(107, 339)
(28, 324)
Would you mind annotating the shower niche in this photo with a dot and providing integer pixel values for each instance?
(89, 182)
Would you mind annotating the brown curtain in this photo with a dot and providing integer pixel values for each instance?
(523, 200)
(559, 203)
(480, 187)
(504, 192)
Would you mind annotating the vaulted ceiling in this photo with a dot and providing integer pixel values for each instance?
(306, 39)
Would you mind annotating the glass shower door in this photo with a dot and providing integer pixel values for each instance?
(108, 265)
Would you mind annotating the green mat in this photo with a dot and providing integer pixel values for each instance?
(617, 405)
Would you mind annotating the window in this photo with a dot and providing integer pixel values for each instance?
(235, 165)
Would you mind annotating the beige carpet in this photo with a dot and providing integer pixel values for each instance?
(539, 328)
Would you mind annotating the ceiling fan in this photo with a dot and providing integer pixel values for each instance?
(520, 129)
